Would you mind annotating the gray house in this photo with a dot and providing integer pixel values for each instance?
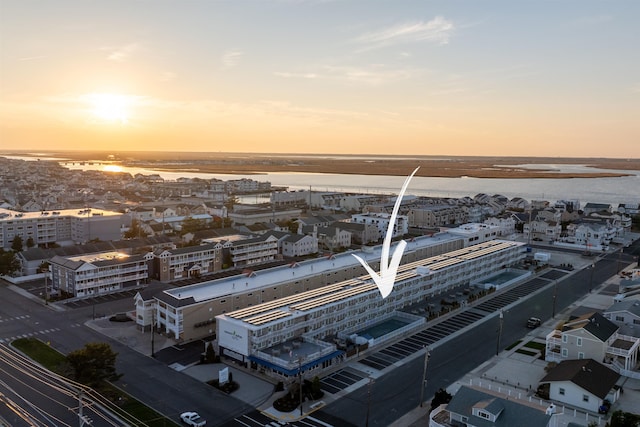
(475, 408)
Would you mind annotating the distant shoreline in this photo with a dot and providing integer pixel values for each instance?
(430, 166)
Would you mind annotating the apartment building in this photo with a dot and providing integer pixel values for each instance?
(436, 216)
(97, 274)
(250, 334)
(188, 313)
(64, 226)
(193, 261)
(250, 216)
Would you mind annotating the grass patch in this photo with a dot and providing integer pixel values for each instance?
(513, 345)
(54, 361)
(536, 345)
(528, 353)
(41, 353)
(132, 408)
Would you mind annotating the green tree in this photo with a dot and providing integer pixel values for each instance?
(134, 231)
(231, 201)
(30, 242)
(624, 419)
(441, 396)
(210, 354)
(93, 363)
(16, 244)
(9, 263)
(191, 225)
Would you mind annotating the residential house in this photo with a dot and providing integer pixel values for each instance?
(295, 245)
(333, 237)
(590, 208)
(143, 213)
(581, 383)
(593, 336)
(361, 234)
(626, 314)
(505, 226)
(472, 407)
(542, 230)
(518, 203)
(381, 220)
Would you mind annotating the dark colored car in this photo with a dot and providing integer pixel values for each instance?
(533, 322)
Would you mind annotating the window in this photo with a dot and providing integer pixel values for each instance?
(619, 318)
(579, 342)
(565, 352)
(564, 338)
(580, 355)
(585, 397)
(561, 391)
(636, 321)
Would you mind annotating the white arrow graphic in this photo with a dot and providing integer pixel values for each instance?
(388, 270)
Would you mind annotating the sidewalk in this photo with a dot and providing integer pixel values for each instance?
(516, 375)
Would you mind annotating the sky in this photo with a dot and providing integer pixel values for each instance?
(452, 77)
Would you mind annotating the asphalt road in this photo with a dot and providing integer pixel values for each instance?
(390, 397)
(398, 392)
(147, 379)
(37, 396)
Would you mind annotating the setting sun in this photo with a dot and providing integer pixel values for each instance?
(110, 107)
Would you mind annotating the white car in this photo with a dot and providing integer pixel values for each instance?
(193, 419)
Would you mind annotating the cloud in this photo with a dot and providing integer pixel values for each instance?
(230, 59)
(635, 88)
(297, 75)
(32, 58)
(372, 75)
(167, 76)
(438, 30)
(123, 53)
(589, 21)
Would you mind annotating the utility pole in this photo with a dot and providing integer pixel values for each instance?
(153, 334)
(501, 320)
(423, 383)
(555, 294)
(368, 401)
(300, 375)
(593, 265)
(46, 288)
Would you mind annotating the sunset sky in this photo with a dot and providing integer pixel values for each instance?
(467, 77)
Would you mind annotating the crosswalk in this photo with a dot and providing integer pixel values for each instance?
(39, 333)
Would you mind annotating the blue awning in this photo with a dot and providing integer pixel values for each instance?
(293, 372)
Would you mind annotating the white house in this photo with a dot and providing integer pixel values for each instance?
(582, 383)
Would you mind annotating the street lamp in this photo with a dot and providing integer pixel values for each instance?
(427, 354)
(299, 360)
(368, 401)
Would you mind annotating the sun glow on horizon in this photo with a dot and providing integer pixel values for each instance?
(110, 107)
(112, 168)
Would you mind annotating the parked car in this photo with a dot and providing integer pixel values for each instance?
(533, 322)
(604, 408)
(193, 419)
